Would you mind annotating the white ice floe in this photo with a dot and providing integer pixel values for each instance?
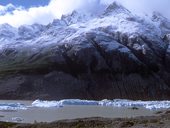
(46, 104)
(152, 105)
(17, 119)
(12, 106)
(39, 103)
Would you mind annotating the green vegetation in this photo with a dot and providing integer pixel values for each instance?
(7, 125)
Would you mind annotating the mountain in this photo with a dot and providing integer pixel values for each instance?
(107, 55)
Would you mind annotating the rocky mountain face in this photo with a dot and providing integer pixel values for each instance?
(114, 54)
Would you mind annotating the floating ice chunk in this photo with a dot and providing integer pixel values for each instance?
(151, 105)
(17, 119)
(78, 102)
(46, 104)
(12, 106)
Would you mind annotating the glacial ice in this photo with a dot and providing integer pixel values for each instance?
(151, 105)
(12, 106)
(61, 103)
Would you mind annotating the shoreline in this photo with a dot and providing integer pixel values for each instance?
(49, 111)
(160, 120)
(71, 112)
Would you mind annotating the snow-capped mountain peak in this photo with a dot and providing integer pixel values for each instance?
(163, 22)
(113, 16)
(115, 8)
(7, 31)
(77, 16)
(30, 31)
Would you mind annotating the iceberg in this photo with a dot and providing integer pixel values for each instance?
(119, 103)
(12, 106)
(151, 105)
(61, 103)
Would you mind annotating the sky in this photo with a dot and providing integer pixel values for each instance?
(20, 12)
(25, 3)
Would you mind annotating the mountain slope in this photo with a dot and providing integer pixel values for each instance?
(113, 54)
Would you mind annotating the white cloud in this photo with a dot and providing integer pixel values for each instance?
(44, 14)
(18, 16)
(7, 8)
(148, 6)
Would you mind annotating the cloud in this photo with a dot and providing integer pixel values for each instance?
(148, 6)
(7, 8)
(22, 16)
(17, 16)
(44, 14)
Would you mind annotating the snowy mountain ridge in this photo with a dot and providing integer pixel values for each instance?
(115, 18)
(113, 13)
